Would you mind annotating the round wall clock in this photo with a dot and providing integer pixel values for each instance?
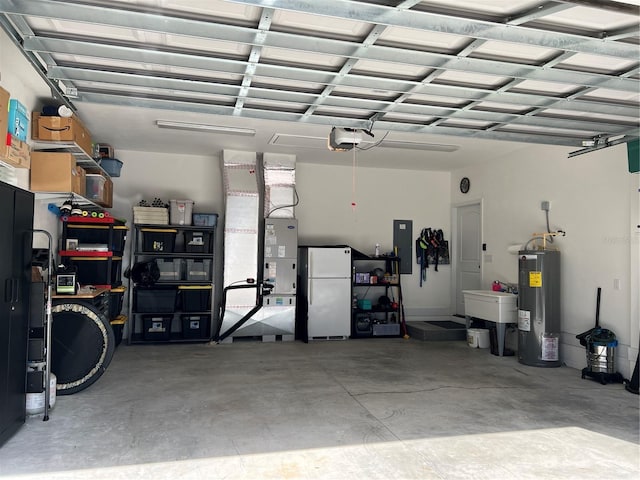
(465, 184)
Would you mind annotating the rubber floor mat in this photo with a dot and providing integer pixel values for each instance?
(446, 324)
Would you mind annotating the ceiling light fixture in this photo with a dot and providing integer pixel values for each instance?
(203, 127)
(434, 147)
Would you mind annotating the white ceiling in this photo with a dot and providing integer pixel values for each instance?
(450, 75)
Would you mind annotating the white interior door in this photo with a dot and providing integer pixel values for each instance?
(468, 252)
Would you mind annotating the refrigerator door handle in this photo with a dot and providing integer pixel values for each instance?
(310, 293)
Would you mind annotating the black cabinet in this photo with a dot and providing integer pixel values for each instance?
(376, 309)
(16, 223)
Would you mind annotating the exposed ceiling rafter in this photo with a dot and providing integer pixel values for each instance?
(524, 71)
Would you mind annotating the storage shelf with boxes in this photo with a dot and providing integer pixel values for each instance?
(63, 149)
(60, 172)
(61, 129)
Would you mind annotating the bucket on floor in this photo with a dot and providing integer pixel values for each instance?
(478, 337)
(35, 401)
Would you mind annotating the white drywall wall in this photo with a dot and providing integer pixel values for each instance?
(19, 79)
(591, 197)
(325, 214)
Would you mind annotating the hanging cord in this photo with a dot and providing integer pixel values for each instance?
(353, 180)
(364, 149)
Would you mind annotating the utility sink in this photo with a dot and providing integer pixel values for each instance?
(498, 307)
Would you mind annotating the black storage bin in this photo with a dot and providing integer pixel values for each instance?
(116, 299)
(119, 239)
(94, 270)
(195, 326)
(158, 239)
(195, 298)
(197, 242)
(117, 325)
(154, 300)
(99, 234)
(156, 327)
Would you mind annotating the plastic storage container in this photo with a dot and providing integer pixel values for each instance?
(170, 269)
(383, 329)
(478, 338)
(180, 212)
(156, 327)
(198, 270)
(95, 270)
(205, 219)
(99, 234)
(95, 186)
(112, 166)
(195, 326)
(197, 242)
(195, 298)
(117, 325)
(158, 239)
(154, 300)
(116, 299)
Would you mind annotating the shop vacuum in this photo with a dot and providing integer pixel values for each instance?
(601, 346)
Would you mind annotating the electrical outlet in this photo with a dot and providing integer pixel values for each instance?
(545, 205)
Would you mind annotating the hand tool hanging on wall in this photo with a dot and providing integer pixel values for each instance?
(422, 244)
(431, 245)
(434, 247)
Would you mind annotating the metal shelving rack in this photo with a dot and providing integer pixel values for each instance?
(83, 159)
(382, 319)
(136, 320)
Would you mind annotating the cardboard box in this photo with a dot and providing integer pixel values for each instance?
(61, 129)
(16, 152)
(56, 172)
(18, 123)
(13, 152)
(4, 110)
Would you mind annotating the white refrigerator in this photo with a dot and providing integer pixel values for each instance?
(325, 274)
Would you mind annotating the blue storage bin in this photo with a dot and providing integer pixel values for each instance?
(205, 219)
(111, 165)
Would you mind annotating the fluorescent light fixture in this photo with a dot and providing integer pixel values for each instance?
(434, 147)
(303, 141)
(203, 127)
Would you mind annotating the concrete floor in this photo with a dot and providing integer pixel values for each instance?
(363, 409)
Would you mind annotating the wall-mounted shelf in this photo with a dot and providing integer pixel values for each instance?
(83, 159)
(62, 196)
